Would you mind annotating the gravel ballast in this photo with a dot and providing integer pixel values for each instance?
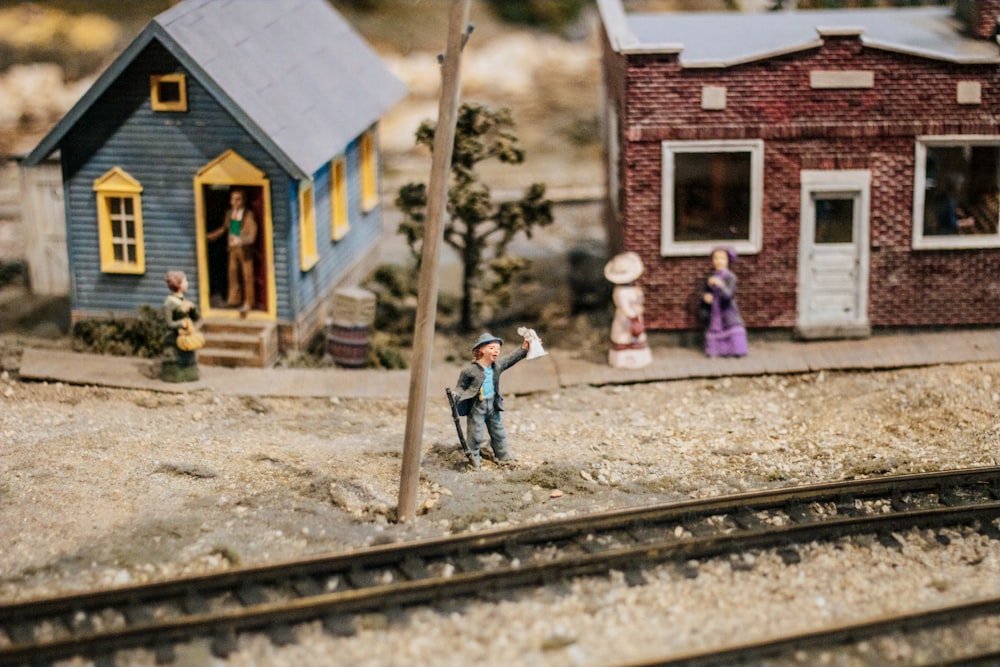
(104, 487)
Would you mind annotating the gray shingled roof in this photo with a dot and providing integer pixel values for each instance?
(294, 73)
(721, 39)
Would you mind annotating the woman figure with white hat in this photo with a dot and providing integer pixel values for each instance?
(629, 348)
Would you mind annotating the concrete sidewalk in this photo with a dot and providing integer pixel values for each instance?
(556, 370)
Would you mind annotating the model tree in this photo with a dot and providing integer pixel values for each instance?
(478, 228)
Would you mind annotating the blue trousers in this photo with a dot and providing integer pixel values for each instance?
(483, 417)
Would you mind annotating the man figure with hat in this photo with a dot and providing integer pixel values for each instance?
(479, 400)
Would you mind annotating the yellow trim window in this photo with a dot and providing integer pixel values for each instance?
(369, 172)
(168, 92)
(340, 222)
(119, 223)
(308, 256)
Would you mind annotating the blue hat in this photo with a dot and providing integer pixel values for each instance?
(486, 339)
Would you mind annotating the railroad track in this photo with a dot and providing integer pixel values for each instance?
(334, 589)
(781, 648)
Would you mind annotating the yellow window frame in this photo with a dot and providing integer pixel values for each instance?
(308, 255)
(340, 222)
(369, 172)
(157, 104)
(118, 185)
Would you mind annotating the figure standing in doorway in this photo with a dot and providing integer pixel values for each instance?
(241, 227)
(725, 335)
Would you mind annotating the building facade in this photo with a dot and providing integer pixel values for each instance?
(279, 100)
(850, 157)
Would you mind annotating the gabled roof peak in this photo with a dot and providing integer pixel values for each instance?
(294, 73)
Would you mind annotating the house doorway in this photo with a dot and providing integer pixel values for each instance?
(833, 254)
(213, 185)
(216, 203)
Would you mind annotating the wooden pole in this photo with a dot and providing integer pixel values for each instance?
(427, 286)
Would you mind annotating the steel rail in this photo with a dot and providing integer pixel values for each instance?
(431, 589)
(499, 538)
(755, 651)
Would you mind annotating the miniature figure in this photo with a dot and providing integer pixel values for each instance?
(241, 227)
(629, 348)
(478, 397)
(179, 345)
(725, 335)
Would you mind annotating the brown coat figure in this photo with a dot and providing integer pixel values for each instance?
(241, 226)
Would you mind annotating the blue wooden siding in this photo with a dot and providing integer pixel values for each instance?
(336, 257)
(164, 151)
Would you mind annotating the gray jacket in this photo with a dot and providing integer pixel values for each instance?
(472, 376)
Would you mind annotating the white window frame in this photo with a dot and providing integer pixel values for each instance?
(944, 242)
(750, 246)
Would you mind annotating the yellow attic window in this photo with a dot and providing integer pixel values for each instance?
(168, 92)
(119, 222)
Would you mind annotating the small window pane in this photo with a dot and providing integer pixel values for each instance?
(961, 186)
(834, 221)
(712, 196)
(169, 91)
(129, 210)
(115, 205)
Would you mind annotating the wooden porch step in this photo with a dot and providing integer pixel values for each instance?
(217, 356)
(239, 343)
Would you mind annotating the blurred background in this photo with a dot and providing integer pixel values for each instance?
(539, 58)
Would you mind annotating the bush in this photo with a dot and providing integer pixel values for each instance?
(552, 15)
(140, 336)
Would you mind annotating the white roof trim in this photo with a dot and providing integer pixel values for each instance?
(931, 55)
(839, 31)
(666, 48)
(755, 57)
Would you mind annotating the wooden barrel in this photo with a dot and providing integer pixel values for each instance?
(348, 346)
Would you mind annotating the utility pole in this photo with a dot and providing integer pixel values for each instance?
(427, 285)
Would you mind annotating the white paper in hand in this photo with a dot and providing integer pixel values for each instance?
(535, 349)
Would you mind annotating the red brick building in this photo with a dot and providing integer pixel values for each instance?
(851, 157)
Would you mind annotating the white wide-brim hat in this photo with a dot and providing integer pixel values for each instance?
(623, 268)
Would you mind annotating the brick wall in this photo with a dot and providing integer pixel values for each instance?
(979, 16)
(805, 128)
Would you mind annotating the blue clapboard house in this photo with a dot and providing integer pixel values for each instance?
(280, 99)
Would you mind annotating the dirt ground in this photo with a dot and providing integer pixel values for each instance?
(104, 487)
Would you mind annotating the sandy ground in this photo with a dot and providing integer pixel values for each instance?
(102, 487)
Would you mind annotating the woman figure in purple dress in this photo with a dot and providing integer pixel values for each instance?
(725, 335)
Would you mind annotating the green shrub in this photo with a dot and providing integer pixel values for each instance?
(140, 336)
(553, 15)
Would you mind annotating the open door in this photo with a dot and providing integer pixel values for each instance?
(212, 187)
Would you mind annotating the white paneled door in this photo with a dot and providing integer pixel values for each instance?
(833, 254)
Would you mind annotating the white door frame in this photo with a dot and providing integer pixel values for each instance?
(855, 182)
